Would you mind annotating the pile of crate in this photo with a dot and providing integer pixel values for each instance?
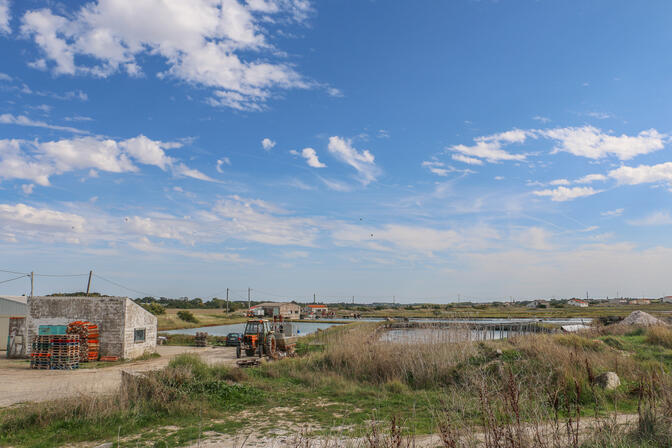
(201, 339)
(39, 354)
(55, 352)
(65, 352)
(89, 345)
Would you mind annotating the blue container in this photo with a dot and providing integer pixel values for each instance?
(49, 330)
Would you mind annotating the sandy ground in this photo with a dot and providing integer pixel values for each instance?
(294, 439)
(19, 383)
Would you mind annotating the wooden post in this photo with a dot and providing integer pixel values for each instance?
(88, 285)
(32, 283)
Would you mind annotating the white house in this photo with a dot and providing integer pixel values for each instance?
(578, 302)
(667, 299)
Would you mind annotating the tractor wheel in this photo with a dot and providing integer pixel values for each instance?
(237, 351)
(271, 345)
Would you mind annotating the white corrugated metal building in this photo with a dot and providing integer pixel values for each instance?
(10, 306)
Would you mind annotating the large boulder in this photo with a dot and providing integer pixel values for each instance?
(608, 380)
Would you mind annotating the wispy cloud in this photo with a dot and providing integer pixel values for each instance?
(362, 161)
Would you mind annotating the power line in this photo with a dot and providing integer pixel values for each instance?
(15, 278)
(61, 275)
(14, 272)
(124, 287)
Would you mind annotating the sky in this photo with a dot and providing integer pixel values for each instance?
(407, 151)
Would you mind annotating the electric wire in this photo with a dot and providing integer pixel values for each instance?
(125, 287)
(14, 272)
(15, 278)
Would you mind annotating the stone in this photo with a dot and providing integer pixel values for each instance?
(608, 380)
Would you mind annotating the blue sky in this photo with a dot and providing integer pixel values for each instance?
(411, 149)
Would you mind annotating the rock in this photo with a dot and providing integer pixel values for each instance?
(608, 380)
(106, 445)
(499, 352)
(642, 319)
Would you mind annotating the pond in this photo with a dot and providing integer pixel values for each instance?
(304, 328)
(405, 335)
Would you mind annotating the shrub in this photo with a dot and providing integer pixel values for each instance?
(187, 316)
(155, 308)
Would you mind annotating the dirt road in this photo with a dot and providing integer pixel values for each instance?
(19, 383)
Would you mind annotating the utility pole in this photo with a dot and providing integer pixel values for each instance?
(227, 300)
(88, 285)
(249, 303)
(314, 299)
(32, 283)
(353, 300)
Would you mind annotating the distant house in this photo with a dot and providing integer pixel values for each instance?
(667, 299)
(578, 302)
(537, 304)
(286, 310)
(639, 302)
(316, 310)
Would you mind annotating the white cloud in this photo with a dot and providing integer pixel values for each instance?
(613, 213)
(204, 42)
(336, 185)
(22, 218)
(421, 239)
(465, 159)
(4, 76)
(336, 93)
(541, 119)
(37, 161)
(536, 238)
(363, 162)
(559, 182)
(441, 169)
(311, 158)
(599, 115)
(4, 17)
(490, 147)
(22, 120)
(562, 194)
(592, 143)
(221, 162)
(267, 144)
(147, 151)
(590, 178)
(659, 218)
(258, 221)
(643, 174)
(27, 188)
(436, 167)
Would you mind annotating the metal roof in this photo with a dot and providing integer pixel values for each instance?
(20, 299)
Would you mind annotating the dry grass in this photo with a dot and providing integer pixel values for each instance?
(659, 336)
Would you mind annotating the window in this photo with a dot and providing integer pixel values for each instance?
(139, 335)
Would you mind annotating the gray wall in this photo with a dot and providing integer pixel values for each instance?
(138, 318)
(111, 314)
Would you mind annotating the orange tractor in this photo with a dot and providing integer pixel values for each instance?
(258, 339)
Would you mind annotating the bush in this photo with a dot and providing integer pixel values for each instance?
(155, 308)
(187, 316)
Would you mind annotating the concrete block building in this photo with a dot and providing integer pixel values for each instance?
(287, 310)
(126, 329)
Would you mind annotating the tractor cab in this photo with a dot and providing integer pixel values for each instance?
(258, 338)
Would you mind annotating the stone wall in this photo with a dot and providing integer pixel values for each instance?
(116, 317)
(137, 318)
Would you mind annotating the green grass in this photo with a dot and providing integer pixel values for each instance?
(317, 388)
